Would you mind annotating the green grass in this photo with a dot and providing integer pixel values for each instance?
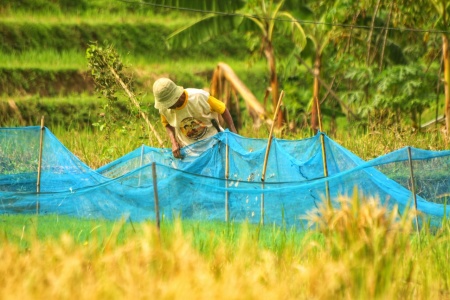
(49, 59)
(93, 18)
(367, 146)
(24, 229)
(94, 12)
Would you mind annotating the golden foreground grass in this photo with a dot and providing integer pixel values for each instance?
(359, 251)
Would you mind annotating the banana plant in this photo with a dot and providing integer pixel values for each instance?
(262, 19)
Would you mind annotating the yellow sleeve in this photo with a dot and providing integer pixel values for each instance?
(164, 121)
(216, 105)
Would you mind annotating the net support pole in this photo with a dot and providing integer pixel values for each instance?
(325, 167)
(413, 186)
(227, 175)
(266, 156)
(41, 146)
(324, 154)
(155, 196)
(141, 162)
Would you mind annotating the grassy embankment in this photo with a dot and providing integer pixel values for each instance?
(43, 69)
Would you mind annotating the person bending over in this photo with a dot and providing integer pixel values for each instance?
(189, 115)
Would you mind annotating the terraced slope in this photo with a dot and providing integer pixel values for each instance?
(43, 69)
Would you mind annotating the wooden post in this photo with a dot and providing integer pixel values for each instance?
(41, 146)
(227, 175)
(155, 196)
(140, 164)
(413, 186)
(324, 154)
(266, 156)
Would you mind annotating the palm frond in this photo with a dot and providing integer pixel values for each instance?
(293, 28)
(206, 5)
(274, 17)
(203, 30)
(251, 23)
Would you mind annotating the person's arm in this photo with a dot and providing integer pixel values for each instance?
(175, 146)
(229, 120)
(220, 108)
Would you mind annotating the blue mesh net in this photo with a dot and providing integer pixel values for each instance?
(218, 179)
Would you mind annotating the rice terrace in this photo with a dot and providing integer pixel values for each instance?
(335, 185)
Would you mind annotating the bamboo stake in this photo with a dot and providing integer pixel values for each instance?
(155, 196)
(324, 153)
(136, 103)
(41, 146)
(266, 156)
(227, 175)
(140, 164)
(413, 186)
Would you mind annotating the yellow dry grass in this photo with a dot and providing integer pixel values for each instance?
(359, 251)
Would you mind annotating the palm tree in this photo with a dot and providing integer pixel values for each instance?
(259, 17)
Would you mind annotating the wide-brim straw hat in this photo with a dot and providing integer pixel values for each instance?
(166, 93)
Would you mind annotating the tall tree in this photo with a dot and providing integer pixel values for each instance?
(320, 34)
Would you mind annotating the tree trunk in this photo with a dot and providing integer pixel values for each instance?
(270, 56)
(316, 88)
(446, 61)
(369, 39)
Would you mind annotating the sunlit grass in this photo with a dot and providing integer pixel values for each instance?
(373, 144)
(100, 16)
(50, 59)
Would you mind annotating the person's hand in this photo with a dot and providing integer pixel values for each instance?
(176, 150)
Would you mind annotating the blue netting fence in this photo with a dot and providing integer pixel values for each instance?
(218, 179)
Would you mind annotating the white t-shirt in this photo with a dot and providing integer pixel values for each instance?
(192, 120)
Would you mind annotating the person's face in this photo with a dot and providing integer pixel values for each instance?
(179, 102)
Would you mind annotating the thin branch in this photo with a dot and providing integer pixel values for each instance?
(323, 83)
(372, 25)
(385, 37)
(136, 103)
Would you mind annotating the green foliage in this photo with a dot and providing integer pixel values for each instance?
(43, 45)
(106, 69)
(404, 88)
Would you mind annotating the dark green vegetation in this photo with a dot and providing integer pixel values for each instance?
(379, 73)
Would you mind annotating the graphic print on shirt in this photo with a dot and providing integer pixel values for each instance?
(193, 128)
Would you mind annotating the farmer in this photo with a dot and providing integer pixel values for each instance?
(189, 115)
